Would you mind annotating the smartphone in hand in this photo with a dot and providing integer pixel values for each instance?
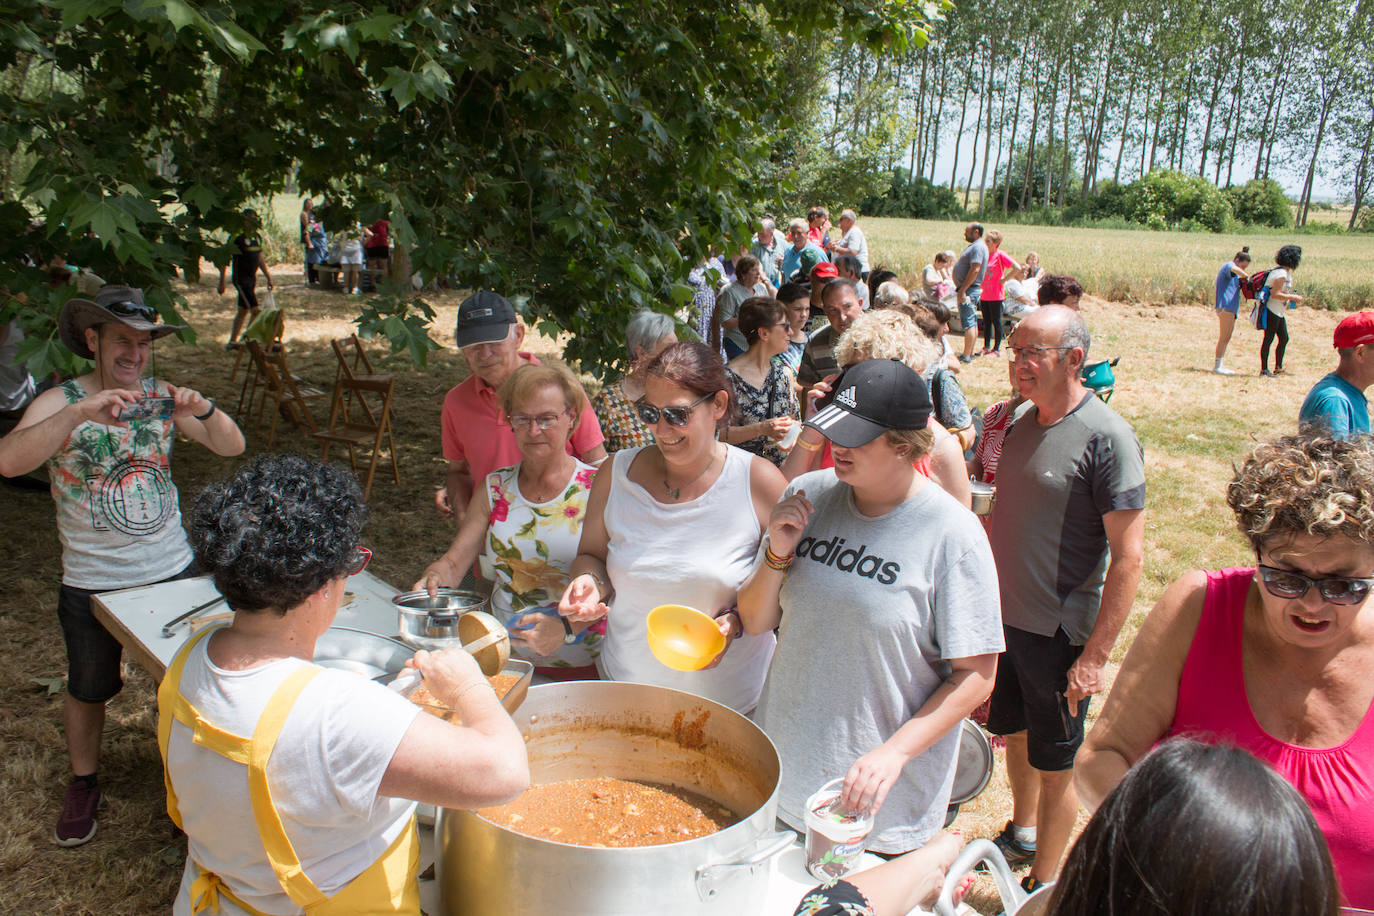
(149, 409)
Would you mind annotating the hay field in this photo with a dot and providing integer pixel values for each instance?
(1193, 425)
(1126, 265)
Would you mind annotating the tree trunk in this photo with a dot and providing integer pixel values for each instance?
(1093, 148)
(918, 139)
(1362, 170)
(1274, 93)
(938, 112)
(1211, 111)
(987, 128)
(977, 131)
(1328, 98)
(1273, 133)
(958, 139)
(1035, 127)
(1125, 128)
(1011, 142)
(1159, 117)
(1064, 170)
(1049, 140)
(1233, 131)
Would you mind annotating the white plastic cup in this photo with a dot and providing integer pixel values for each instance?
(834, 840)
(793, 434)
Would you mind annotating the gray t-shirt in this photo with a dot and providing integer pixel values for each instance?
(873, 609)
(1054, 484)
(727, 307)
(974, 256)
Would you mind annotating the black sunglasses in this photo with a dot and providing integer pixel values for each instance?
(1284, 583)
(130, 309)
(676, 416)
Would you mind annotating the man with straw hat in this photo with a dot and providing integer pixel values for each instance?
(106, 438)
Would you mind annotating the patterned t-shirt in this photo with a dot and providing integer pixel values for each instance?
(620, 424)
(117, 509)
(531, 547)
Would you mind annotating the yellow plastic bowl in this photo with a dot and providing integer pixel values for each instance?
(684, 638)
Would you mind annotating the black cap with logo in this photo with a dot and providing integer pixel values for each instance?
(484, 317)
(870, 398)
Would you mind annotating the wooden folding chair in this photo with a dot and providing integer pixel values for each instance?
(268, 329)
(357, 434)
(279, 385)
(352, 368)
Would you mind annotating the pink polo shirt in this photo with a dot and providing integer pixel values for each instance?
(472, 429)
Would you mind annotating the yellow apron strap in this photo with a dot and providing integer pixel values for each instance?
(168, 702)
(387, 887)
(206, 891)
(280, 853)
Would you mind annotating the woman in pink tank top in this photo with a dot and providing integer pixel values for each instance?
(1275, 658)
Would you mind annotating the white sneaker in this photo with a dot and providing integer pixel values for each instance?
(1222, 370)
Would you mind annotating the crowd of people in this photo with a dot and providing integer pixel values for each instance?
(801, 473)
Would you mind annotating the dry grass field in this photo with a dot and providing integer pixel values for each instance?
(1193, 425)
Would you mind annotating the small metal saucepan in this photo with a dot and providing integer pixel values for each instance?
(453, 617)
(984, 495)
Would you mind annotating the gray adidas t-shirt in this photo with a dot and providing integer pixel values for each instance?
(873, 608)
(1054, 484)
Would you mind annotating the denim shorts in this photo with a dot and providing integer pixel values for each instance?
(92, 653)
(968, 308)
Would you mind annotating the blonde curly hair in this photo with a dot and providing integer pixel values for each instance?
(884, 334)
(1305, 485)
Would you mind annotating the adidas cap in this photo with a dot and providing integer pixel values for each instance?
(870, 398)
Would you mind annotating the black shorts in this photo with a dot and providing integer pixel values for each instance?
(247, 291)
(377, 253)
(92, 653)
(1032, 675)
(839, 899)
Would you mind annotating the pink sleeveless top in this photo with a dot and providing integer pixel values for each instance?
(1338, 782)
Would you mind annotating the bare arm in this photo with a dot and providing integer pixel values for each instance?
(1140, 709)
(448, 570)
(1126, 539)
(48, 422)
(594, 455)
(481, 762)
(456, 491)
(217, 432)
(262, 265)
(948, 470)
(584, 600)
(805, 455)
(759, 610)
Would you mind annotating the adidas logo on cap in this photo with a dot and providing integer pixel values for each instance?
(847, 397)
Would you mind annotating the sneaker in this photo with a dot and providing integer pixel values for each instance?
(1013, 850)
(997, 353)
(77, 823)
(1280, 371)
(1031, 884)
(965, 359)
(1265, 373)
(1222, 370)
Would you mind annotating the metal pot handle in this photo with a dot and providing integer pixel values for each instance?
(709, 877)
(975, 852)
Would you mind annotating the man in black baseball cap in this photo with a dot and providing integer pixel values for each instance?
(106, 437)
(475, 437)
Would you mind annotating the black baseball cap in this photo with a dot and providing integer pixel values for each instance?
(870, 398)
(484, 317)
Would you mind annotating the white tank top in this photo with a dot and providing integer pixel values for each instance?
(696, 553)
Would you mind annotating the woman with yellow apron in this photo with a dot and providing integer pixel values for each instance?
(296, 785)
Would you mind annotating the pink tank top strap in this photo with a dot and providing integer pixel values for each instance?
(1211, 691)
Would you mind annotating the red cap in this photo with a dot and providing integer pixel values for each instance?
(825, 270)
(1354, 330)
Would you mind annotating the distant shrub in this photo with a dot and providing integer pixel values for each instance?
(1261, 202)
(915, 198)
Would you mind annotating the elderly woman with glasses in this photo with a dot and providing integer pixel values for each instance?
(525, 522)
(295, 784)
(1275, 657)
(677, 522)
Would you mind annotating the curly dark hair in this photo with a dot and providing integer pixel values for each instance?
(1289, 256)
(1305, 485)
(277, 531)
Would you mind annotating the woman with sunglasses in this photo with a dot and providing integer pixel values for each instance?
(1273, 658)
(676, 522)
(295, 784)
(526, 522)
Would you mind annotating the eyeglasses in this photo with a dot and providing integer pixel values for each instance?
(1284, 583)
(541, 422)
(1036, 354)
(675, 416)
(358, 560)
(130, 309)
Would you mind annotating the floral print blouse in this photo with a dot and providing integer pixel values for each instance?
(775, 399)
(531, 546)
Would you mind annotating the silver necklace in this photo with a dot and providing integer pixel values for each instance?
(675, 493)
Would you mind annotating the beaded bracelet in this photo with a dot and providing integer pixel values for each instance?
(776, 562)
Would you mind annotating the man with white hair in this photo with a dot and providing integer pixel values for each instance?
(852, 241)
(803, 255)
(767, 247)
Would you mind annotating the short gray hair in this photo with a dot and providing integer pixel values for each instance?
(849, 214)
(796, 224)
(645, 330)
(1076, 334)
(768, 223)
(892, 293)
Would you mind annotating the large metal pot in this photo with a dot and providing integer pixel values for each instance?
(629, 731)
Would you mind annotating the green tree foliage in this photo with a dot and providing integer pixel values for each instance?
(579, 157)
(1261, 202)
(1169, 198)
(914, 198)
